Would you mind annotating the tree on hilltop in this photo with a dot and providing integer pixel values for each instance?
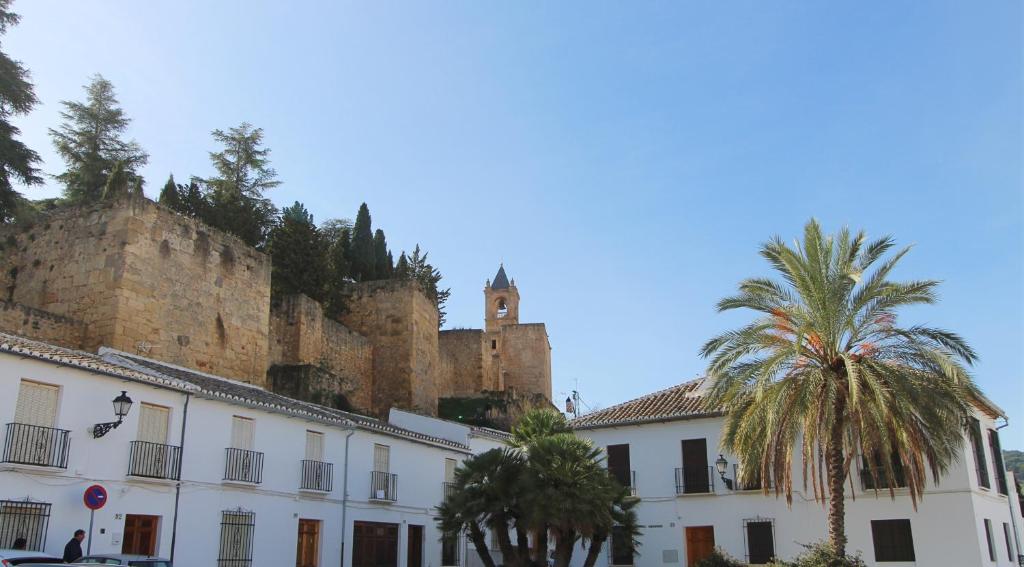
(89, 141)
(17, 97)
(235, 195)
(299, 254)
(362, 258)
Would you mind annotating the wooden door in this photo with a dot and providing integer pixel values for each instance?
(415, 556)
(700, 542)
(307, 553)
(140, 534)
(696, 477)
(374, 544)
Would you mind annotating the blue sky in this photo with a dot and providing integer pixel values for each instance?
(624, 160)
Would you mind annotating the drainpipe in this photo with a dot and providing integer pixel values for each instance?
(177, 487)
(1012, 494)
(344, 497)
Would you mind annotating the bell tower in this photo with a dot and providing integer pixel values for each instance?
(501, 302)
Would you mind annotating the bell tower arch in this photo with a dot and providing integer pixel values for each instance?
(501, 302)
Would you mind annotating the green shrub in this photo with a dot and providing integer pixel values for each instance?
(820, 554)
(719, 558)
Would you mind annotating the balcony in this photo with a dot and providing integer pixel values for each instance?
(383, 486)
(448, 489)
(34, 445)
(752, 485)
(241, 465)
(317, 475)
(695, 480)
(154, 460)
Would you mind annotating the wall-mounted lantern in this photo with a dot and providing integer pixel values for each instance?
(723, 465)
(122, 404)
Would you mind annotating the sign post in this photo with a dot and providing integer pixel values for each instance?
(94, 498)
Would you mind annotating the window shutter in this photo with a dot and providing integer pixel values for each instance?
(37, 404)
(449, 470)
(893, 540)
(381, 458)
(153, 423)
(980, 463)
(242, 433)
(760, 542)
(990, 539)
(314, 446)
(997, 461)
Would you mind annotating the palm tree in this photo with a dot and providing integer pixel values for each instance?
(537, 424)
(826, 367)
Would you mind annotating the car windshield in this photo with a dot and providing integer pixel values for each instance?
(98, 561)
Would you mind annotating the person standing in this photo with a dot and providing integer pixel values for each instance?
(73, 550)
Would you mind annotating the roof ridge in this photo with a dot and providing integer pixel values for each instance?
(643, 397)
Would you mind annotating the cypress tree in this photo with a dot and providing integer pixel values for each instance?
(169, 196)
(89, 141)
(383, 265)
(402, 267)
(362, 256)
(298, 255)
(338, 272)
(17, 96)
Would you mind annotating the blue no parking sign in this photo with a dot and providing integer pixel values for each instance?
(95, 497)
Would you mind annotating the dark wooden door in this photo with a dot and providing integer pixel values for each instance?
(415, 558)
(375, 544)
(140, 534)
(700, 542)
(696, 478)
(618, 463)
(307, 553)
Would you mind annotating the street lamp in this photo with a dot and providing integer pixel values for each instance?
(122, 404)
(723, 465)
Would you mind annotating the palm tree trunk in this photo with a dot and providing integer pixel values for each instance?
(594, 551)
(476, 535)
(834, 463)
(564, 542)
(523, 545)
(541, 553)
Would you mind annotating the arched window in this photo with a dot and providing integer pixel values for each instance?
(502, 308)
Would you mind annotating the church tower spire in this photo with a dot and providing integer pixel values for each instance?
(501, 301)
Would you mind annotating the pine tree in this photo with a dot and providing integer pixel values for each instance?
(193, 203)
(402, 271)
(235, 201)
(17, 96)
(169, 196)
(362, 256)
(89, 141)
(383, 265)
(299, 257)
(338, 235)
(428, 277)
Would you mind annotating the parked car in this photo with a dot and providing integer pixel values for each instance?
(123, 559)
(10, 557)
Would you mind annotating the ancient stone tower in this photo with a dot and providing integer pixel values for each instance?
(501, 301)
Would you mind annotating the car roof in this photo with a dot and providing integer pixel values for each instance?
(12, 553)
(122, 556)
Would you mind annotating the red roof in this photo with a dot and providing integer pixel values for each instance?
(684, 401)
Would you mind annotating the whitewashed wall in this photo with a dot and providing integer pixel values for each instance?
(947, 526)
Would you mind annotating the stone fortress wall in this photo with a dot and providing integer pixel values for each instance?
(135, 276)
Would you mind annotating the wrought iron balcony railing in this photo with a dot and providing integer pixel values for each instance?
(448, 489)
(695, 480)
(35, 445)
(154, 460)
(317, 475)
(241, 465)
(383, 486)
(626, 478)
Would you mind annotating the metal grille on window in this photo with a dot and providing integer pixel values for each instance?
(23, 524)
(237, 528)
(759, 534)
(450, 551)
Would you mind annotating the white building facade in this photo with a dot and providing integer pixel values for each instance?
(666, 447)
(208, 471)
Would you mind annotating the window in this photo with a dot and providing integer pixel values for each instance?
(449, 550)
(449, 470)
(874, 476)
(695, 475)
(1006, 535)
(494, 344)
(237, 528)
(760, 535)
(893, 540)
(990, 539)
(618, 463)
(243, 433)
(37, 404)
(622, 546)
(23, 523)
(381, 458)
(997, 461)
(314, 446)
(153, 423)
(980, 464)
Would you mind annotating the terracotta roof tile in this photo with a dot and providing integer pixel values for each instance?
(684, 401)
